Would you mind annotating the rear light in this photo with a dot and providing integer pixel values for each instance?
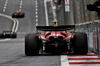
(38, 33)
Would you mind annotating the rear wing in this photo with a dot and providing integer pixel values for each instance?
(55, 28)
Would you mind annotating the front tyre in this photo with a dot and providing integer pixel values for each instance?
(80, 43)
(31, 45)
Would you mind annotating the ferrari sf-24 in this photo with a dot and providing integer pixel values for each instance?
(55, 40)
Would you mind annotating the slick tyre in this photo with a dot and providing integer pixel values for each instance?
(13, 35)
(80, 43)
(23, 14)
(31, 45)
(1, 35)
(13, 16)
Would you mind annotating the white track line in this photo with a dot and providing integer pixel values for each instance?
(21, 2)
(17, 25)
(86, 65)
(36, 24)
(14, 26)
(46, 14)
(36, 12)
(36, 9)
(36, 6)
(36, 16)
(36, 20)
(83, 60)
(83, 57)
(64, 60)
(20, 6)
(4, 40)
(36, 1)
(4, 9)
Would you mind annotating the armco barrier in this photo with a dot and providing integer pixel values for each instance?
(92, 29)
(90, 41)
(99, 35)
(96, 42)
(81, 28)
(77, 28)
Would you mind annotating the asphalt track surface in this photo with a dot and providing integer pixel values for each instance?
(12, 51)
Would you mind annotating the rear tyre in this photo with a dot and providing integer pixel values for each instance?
(13, 16)
(1, 35)
(23, 14)
(31, 45)
(13, 35)
(80, 43)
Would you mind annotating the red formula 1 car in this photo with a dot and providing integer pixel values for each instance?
(18, 14)
(55, 39)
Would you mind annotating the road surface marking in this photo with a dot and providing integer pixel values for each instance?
(36, 6)
(80, 60)
(4, 40)
(36, 12)
(36, 24)
(36, 1)
(46, 14)
(12, 40)
(4, 9)
(20, 6)
(5, 4)
(64, 60)
(36, 20)
(17, 25)
(36, 9)
(21, 2)
(36, 16)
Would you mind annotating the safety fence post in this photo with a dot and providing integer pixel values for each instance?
(91, 40)
(76, 28)
(96, 43)
(84, 28)
(87, 32)
(99, 35)
(81, 28)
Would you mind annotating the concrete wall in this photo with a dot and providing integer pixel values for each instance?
(78, 12)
